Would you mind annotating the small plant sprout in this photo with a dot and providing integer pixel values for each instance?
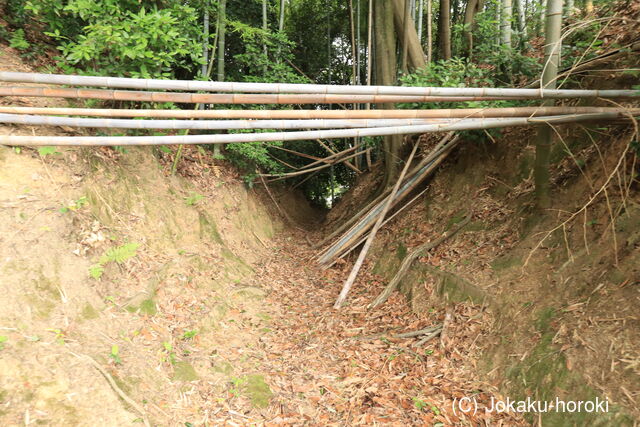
(3, 340)
(75, 205)
(169, 354)
(193, 199)
(237, 383)
(118, 254)
(115, 355)
(419, 403)
(60, 335)
(47, 151)
(189, 334)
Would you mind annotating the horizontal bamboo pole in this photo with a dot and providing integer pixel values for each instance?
(212, 124)
(226, 98)
(462, 124)
(192, 85)
(316, 114)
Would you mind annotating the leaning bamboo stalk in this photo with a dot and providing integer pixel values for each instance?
(463, 124)
(363, 238)
(192, 85)
(211, 124)
(354, 218)
(346, 287)
(317, 114)
(229, 98)
(355, 236)
(350, 239)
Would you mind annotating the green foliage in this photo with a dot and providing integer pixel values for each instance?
(419, 403)
(169, 354)
(96, 271)
(258, 65)
(252, 156)
(193, 199)
(3, 340)
(75, 205)
(190, 334)
(123, 37)
(120, 254)
(47, 151)
(115, 355)
(17, 40)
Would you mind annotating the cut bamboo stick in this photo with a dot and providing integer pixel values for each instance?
(192, 85)
(211, 124)
(346, 287)
(462, 124)
(228, 98)
(317, 114)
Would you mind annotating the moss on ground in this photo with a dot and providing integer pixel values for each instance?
(183, 371)
(257, 390)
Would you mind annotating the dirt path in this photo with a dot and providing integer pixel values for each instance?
(344, 367)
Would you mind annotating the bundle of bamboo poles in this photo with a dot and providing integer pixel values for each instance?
(452, 125)
(306, 124)
(366, 218)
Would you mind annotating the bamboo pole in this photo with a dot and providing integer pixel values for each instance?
(230, 98)
(212, 124)
(330, 114)
(319, 114)
(463, 124)
(346, 287)
(297, 88)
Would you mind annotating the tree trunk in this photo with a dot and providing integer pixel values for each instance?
(420, 17)
(281, 20)
(405, 35)
(386, 71)
(543, 11)
(522, 23)
(473, 7)
(222, 26)
(205, 40)
(358, 38)
(588, 6)
(354, 60)
(408, 32)
(444, 30)
(544, 140)
(265, 27)
(369, 45)
(505, 23)
(570, 8)
(429, 32)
